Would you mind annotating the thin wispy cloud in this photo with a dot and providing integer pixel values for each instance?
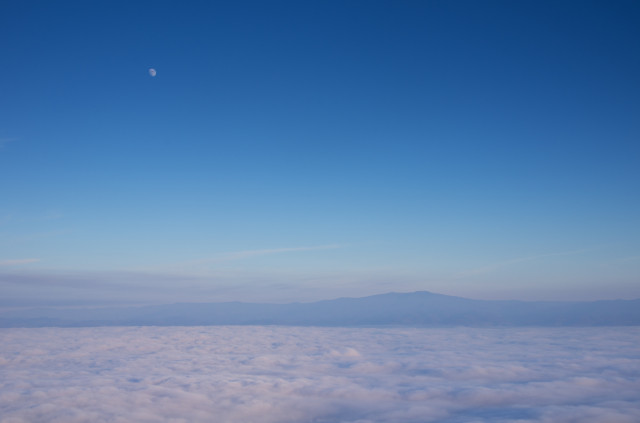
(17, 262)
(5, 141)
(52, 215)
(40, 235)
(625, 259)
(165, 286)
(246, 254)
(11, 216)
(499, 265)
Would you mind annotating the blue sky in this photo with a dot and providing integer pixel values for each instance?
(308, 150)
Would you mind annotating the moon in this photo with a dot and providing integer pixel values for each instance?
(152, 72)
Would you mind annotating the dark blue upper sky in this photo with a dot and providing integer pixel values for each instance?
(309, 149)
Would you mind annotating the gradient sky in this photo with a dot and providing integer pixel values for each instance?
(303, 150)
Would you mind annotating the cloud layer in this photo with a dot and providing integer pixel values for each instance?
(278, 374)
(14, 262)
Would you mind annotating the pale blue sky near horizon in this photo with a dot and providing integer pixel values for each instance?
(294, 151)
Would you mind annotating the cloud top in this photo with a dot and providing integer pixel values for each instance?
(279, 374)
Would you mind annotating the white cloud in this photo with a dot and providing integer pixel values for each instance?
(278, 374)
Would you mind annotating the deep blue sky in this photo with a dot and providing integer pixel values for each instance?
(301, 150)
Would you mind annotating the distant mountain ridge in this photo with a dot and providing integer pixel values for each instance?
(420, 308)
